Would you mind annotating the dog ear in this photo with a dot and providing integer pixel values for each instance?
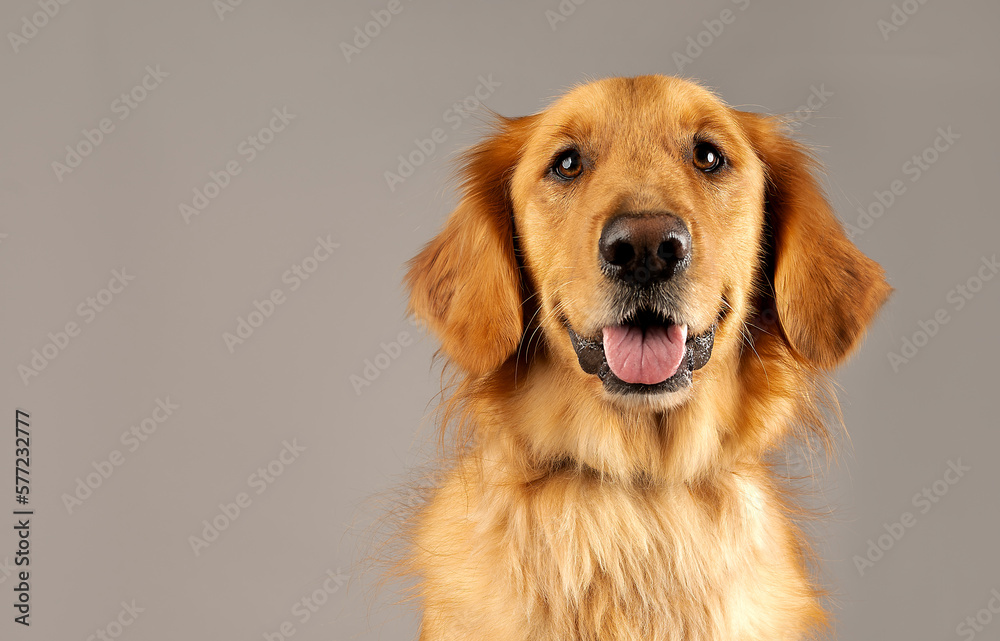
(466, 284)
(826, 292)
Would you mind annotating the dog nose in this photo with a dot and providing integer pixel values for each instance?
(645, 249)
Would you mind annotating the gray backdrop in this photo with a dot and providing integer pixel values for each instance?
(200, 265)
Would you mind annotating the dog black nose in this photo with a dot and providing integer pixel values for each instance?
(645, 249)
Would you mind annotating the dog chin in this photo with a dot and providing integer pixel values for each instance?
(661, 401)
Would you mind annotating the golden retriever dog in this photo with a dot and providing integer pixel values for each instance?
(640, 295)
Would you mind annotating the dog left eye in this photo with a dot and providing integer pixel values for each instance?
(568, 165)
(707, 157)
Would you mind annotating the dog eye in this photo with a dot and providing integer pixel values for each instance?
(707, 157)
(568, 165)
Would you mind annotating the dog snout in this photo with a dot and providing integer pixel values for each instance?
(645, 249)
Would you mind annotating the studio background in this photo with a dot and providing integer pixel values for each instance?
(249, 155)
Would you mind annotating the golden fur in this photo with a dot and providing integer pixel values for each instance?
(578, 514)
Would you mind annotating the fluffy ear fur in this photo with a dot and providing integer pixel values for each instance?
(466, 284)
(826, 292)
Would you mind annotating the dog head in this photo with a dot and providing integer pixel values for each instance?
(650, 234)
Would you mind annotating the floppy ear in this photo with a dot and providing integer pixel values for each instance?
(465, 284)
(826, 292)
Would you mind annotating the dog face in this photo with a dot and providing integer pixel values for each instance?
(636, 203)
(648, 231)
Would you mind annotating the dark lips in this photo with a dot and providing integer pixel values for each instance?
(590, 352)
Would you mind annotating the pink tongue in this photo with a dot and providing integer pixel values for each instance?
(647, 356)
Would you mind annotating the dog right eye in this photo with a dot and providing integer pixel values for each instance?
(568, 165)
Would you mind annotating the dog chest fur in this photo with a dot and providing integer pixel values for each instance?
(572, 557)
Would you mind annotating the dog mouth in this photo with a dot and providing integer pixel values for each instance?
(647, 353)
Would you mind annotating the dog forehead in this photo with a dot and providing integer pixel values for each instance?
(635, 110)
